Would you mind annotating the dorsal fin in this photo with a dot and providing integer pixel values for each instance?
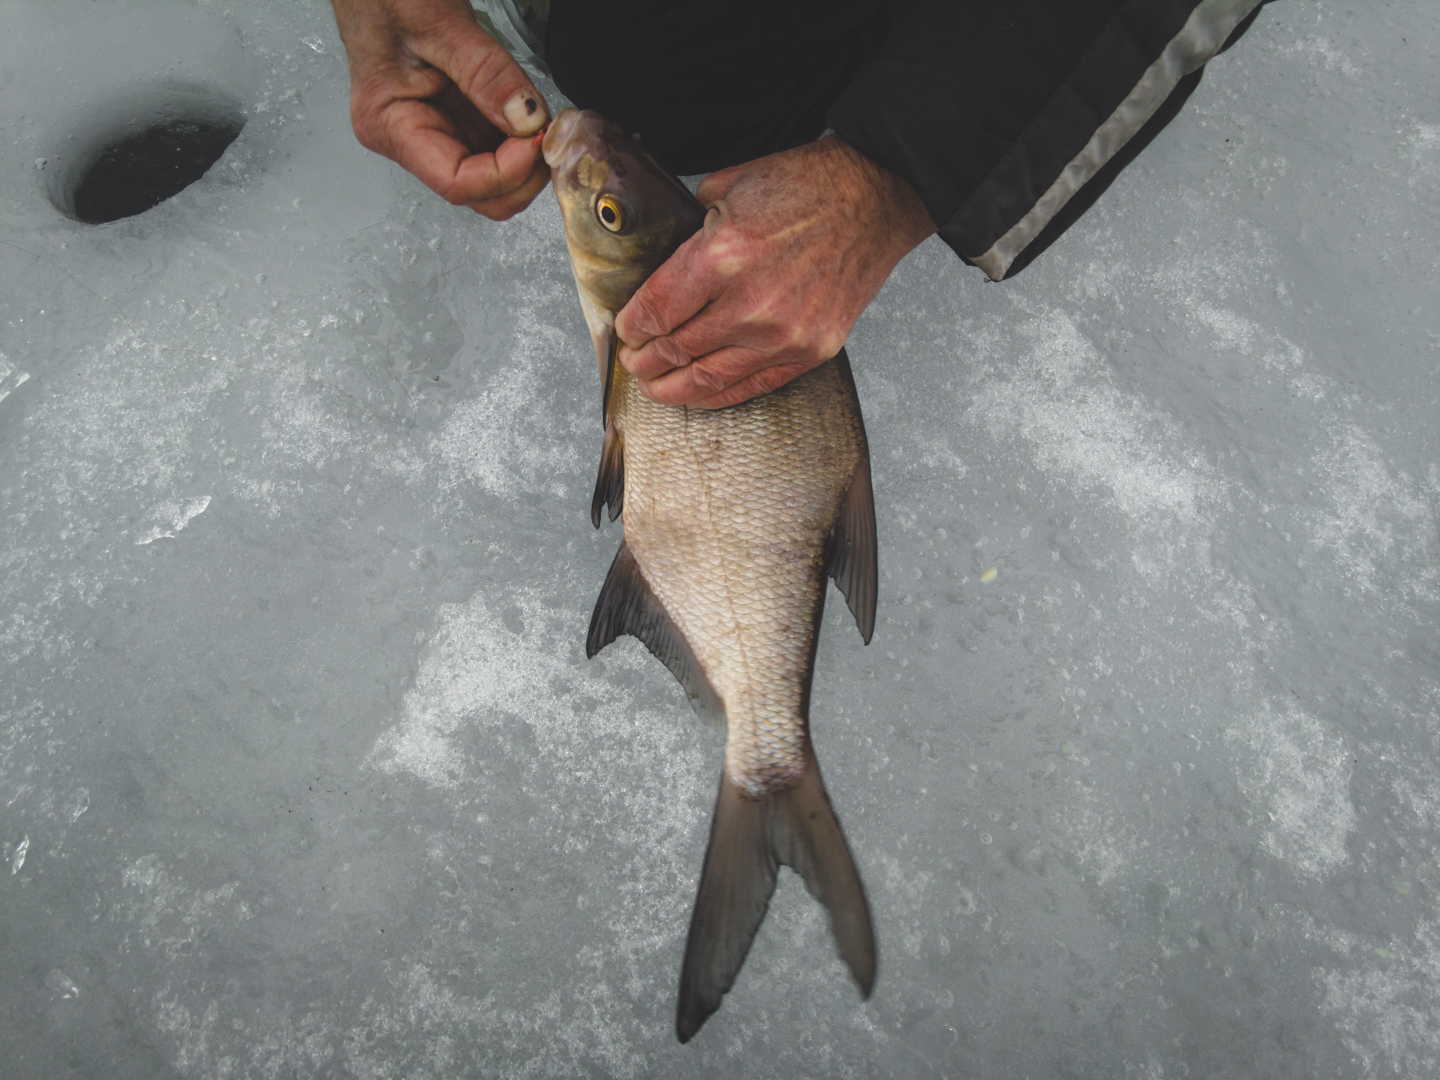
(850, 549)
(610, 482)
(627, 606)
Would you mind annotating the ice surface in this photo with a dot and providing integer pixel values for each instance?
(303, 771)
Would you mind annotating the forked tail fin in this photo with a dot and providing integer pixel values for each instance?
(749, 840)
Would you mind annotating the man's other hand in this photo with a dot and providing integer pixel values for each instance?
(436, 94)
(795, 245)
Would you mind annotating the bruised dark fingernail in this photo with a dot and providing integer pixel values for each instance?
(526, 113)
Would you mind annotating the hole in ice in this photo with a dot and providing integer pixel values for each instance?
(143, 170)
(146, 150)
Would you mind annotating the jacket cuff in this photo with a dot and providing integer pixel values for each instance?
(998, 119)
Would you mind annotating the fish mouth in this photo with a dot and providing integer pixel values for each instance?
(558, 135)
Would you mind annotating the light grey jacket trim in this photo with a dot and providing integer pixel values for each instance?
(1198, 40)
(523, 37)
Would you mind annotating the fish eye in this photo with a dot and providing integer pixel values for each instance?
(611, 213)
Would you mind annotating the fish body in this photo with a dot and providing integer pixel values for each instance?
(733, 519)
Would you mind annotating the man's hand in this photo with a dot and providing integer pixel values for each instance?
(794, 247)
(433, 92)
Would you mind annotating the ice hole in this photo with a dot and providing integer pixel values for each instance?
(145, 150)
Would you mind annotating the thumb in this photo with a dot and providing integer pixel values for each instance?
(718, 184)
(486, 73)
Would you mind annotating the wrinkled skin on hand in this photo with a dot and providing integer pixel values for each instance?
(794, 246)
(437, 95)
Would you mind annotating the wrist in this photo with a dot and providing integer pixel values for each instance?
(889, 200)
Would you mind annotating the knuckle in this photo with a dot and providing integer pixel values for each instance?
(641, 318)
(452, 193)
(366, 137)
(648, 312)
(721, 256)
(831, 342)
(670, 352)
(495, 210)
(488, 70)
(707, 380)
(802, 341)
(772, 379)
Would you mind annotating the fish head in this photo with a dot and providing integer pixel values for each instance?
(625, 214)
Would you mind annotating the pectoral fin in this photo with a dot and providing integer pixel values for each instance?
(610, 483)
(602, 333)
(850, 547)
(628, 606)
(850, 550)
(607, 370)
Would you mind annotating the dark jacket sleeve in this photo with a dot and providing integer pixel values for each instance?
(1000, 112)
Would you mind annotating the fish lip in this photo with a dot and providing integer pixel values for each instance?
(558, 135)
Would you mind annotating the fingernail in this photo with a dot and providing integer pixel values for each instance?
(526, 113)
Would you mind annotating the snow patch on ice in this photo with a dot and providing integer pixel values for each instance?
(1099, 839)
(1297, 769)
(61, 984)
(1322, 51)
(169, 915)
(17, 857)
(512, 437)
(193, 1056)
(1422, 149)
(317, 428)
(170, 516)
(502, 440)
(1388, 1005)
(1081, 427)
(1247, 337)
(6, 371)
(127, 423)
(1379, 520)
(476, 669)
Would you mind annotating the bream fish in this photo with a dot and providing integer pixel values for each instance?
(733, 518)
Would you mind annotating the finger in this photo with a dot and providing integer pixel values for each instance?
(704, 378)
(471, 127)
(714, 328)
(752, 386)
(488, 75)
(682, 285)
(506, 206)
(653, 359)
(718, 184)
(422, 141)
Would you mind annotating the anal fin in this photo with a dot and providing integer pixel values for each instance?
(628, 606)
(610, 482)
